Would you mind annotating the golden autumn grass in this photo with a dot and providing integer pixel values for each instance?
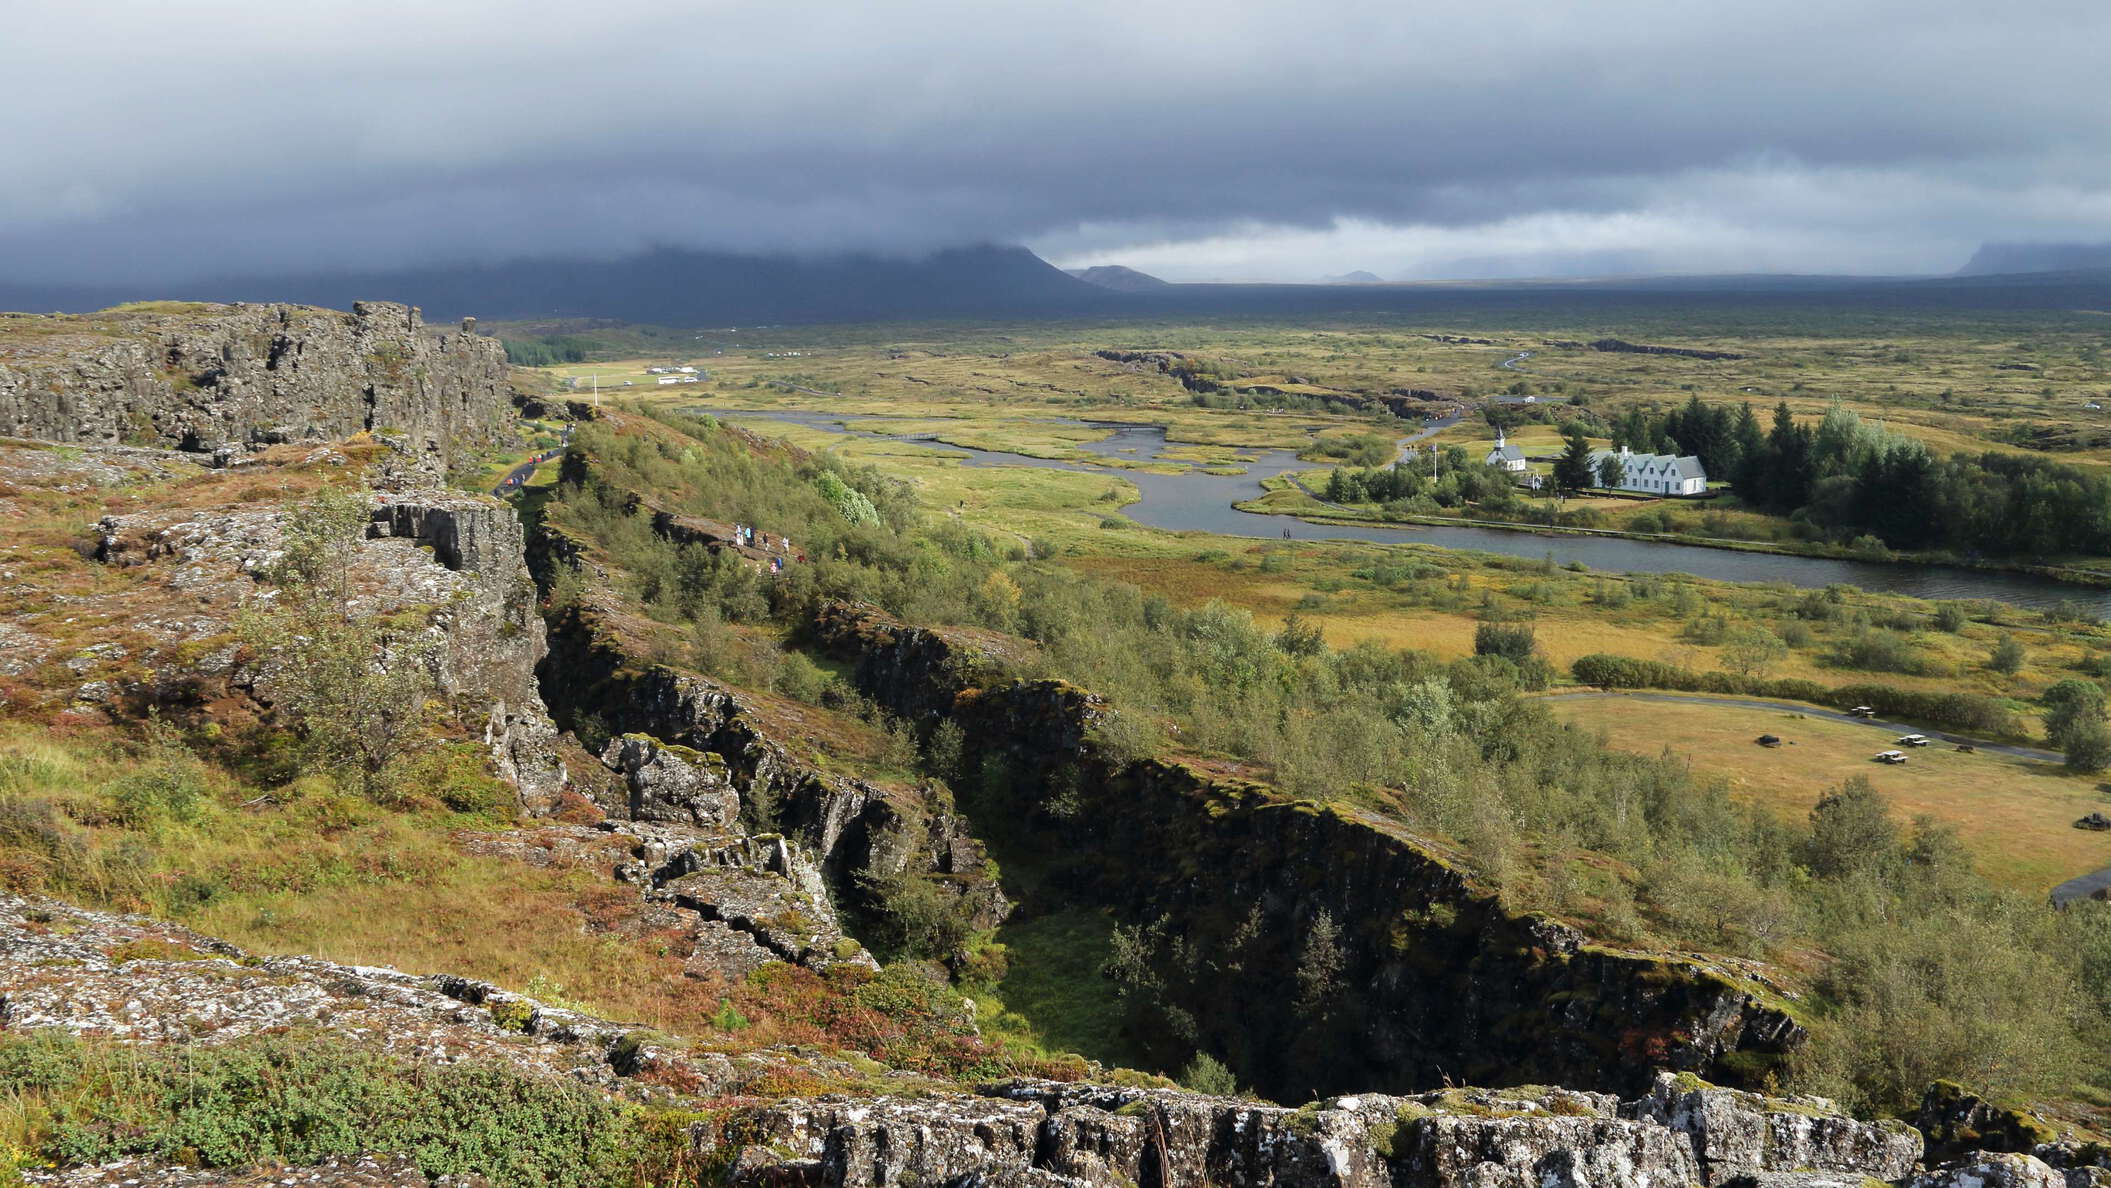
(2016, 815)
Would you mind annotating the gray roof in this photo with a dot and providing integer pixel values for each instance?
(1508, 453)
(1688, 465)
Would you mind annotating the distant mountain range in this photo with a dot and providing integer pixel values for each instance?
(669, 287)
(1358, 277)
(1120, 279)
(1994, 259)
(691, 288)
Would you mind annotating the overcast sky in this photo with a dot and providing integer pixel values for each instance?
(153, 140)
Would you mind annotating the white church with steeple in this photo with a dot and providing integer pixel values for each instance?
(1505, 455)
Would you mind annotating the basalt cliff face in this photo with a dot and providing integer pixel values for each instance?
(1226, 879)
(226, 379)
(719, 764)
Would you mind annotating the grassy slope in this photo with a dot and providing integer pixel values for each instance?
(2017, 815)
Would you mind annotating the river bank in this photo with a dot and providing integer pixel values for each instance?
(1340, 514)
(1175, 495)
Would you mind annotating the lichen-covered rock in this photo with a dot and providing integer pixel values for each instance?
(1107, 1136)
(764, 890)
(883, 1142)
(1992, 1169)
(141, 980)
(671, 784)
(1735, 1133)
(225, 379)
(458, 556)
(849, 826)
(2084, 1164)
(1955, 1120)
(1796, 1179)
(393, 1171)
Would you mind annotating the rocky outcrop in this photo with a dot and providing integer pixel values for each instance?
(128, 978)
(856, 829)
(456, 555)
(673, 784)
(1049, 1133)
(227, 379)
(142, 982)
(1620, 346)
(1736, 1134)
(1225, 879)
(394, 1171)
(1992, 1169)
(738, 902)
(1956, 1121)
(1192, 372)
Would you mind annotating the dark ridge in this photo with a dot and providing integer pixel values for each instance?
(667, 287)
(1119, 278)
(2000, 259)
(686, 288)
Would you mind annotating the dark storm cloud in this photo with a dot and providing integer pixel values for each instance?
(148, 140)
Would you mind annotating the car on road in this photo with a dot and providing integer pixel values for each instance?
(1912, 740)
(1862, 711)
(1891, 757)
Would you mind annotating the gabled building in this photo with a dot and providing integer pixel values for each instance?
(1505, 455)
(1654, 474)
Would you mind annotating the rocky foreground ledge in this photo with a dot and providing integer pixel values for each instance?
(145, 982)
(1681, 1132)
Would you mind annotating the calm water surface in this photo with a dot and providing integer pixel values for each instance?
(1196, 502)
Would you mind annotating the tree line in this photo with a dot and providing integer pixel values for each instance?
(1847, 477)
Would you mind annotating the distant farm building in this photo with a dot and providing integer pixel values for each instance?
(1655, 474)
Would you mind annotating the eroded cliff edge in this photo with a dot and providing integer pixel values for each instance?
(224, 380)
(1224, 879)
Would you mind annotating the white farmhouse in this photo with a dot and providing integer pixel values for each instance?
(1656, 474)
(1505, 455)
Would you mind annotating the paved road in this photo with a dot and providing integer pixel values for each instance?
(1812, 711)
(1430, 430)
(1511, 363)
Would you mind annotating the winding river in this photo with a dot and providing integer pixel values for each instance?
(1193, 501)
